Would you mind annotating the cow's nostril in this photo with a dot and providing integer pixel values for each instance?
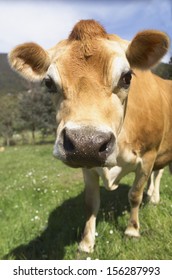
(104, 147)
(107, 146)
(67, 143)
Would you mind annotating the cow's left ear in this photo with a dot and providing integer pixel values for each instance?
(147, 48)
(30, 60)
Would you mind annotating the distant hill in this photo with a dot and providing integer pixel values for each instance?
(163, 70)
(10, 81)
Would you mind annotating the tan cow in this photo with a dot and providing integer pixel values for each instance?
(111, 109)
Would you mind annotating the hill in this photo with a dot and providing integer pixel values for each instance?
(163, 70)
(10, 82)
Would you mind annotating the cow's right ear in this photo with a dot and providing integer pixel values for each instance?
(30, 60)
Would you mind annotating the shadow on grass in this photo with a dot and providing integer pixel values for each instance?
(66, 224)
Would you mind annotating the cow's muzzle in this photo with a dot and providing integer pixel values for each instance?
(84, 147)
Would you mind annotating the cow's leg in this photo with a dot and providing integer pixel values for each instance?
(151, 184)
(92, 201)
(153, 190)
(135, 198)
(112, 176)
(136, 194)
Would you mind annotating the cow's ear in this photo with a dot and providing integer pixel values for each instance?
(147, 48)
(30, 60)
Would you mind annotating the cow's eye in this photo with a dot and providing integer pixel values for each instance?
(125, 79)
(50, 85)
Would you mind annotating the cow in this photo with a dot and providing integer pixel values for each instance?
(113, 114)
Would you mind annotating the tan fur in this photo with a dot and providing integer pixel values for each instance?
(100, 115)
(87, 30)
(149, 127)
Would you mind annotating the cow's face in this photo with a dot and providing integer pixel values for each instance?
(92, 90)
(90, 73)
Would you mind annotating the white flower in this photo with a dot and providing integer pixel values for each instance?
(34, 181)
(111, 231)
(37, 218)
(88, 258)
(96, 234)
(29, 174)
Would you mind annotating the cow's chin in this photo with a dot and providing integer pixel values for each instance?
(89, 165)
(86, 165)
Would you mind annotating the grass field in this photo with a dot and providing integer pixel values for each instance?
(42, 212)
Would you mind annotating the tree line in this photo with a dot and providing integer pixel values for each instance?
(31, 110)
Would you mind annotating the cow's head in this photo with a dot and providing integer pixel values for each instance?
(91, 73)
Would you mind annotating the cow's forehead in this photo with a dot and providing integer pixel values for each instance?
(103, 58)
(114, 45)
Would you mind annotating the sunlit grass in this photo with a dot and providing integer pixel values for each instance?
(42, 212)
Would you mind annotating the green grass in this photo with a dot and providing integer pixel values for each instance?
(42, 212)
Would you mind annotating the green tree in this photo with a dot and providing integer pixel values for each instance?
(37, 111)
(164, 70)
(8, 116)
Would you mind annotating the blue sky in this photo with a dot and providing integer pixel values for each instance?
(48, 21)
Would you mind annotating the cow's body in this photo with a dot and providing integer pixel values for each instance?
(107, 124)
(145, 139)
(148, 123)
(147, 126)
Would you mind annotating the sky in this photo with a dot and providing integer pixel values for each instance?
(46, 22)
